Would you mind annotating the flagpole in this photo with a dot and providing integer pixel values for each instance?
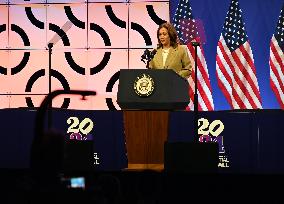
(195, 139)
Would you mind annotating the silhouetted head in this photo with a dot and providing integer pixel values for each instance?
(110, 187)
(48, 152)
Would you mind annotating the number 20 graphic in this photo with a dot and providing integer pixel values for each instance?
(204, 127)
(85, 126)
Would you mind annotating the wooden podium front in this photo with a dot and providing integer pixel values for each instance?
(146, 96)
(146, 132)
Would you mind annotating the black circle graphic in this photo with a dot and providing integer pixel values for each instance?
(41, 73)
(109, 87)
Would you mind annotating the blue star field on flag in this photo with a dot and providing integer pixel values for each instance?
(234, 30)
(184, 22)
(279, 32)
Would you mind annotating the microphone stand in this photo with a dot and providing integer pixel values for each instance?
(195, 139)
(148, 56)
(50, 45)
(147, 65)
(204, 156)
(49, 113)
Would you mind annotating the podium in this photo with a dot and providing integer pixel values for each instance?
(146, 97)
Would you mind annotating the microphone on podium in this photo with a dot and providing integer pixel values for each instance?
(153, 53)
(148, 55)
(145, 55)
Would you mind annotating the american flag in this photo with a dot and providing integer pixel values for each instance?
(276, 60)
(236, 72)
(188, 31)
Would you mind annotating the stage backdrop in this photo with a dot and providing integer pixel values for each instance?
(92, 39)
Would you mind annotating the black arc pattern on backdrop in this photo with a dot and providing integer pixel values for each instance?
(33, 19)
(142, 32)
(61, 33)
(102, 33)
(81, 70)
(113, 18)
(3, 70)
(101, 65)
(22, 64)
(25, 59)
(22, 34)
(77, 68)
(41, 73)
(153, 15)
(109, 88)
(73, 19)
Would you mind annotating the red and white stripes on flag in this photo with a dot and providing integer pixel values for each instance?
(188, 31)
(237, 76)
(204, 90)
(276, 60)
(235, 68)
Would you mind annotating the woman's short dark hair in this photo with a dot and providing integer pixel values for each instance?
(172, 33)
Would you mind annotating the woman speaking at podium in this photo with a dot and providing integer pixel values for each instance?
(170, 54)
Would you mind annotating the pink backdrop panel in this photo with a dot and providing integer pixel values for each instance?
(76, 34)
(112, 33)
(36, 68)
(132, 1)
(65, 61)
(4, 66)
(135, 59)
(17, 101)
(99, 81)
(101, 39)
(20, 69)
(77, 103)
(4, 101)
(4, 23)
(26, 2)
(65, 1)
(33, 36)
(104, 1)
(138, 14)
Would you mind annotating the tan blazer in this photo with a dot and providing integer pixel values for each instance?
(177, 59)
